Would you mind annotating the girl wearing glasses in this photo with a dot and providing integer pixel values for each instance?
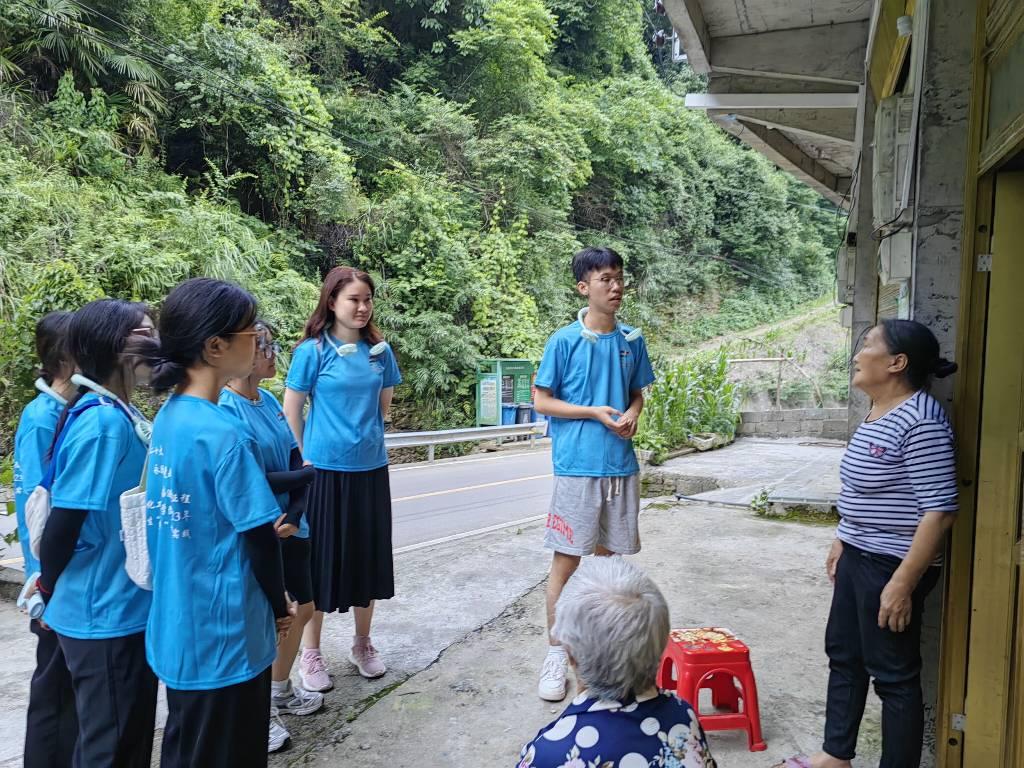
(218, 584)
(288, 479)
(343, 367)
(97, 613)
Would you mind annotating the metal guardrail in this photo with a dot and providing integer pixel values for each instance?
(465, 435)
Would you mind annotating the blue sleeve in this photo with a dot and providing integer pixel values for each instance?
(229, 404)
(304, 368)
(392, 376)
(643, 374)
(274, 404)
(552, 366)
(88, 460)
(29, 468)
(29, 464)
(243, 494)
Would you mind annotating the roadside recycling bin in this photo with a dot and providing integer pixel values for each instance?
(524, 413)
(509, 413)
(501, 382)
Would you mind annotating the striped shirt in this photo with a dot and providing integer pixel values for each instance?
(894, 470)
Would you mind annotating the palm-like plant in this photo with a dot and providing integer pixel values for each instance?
(49, 37)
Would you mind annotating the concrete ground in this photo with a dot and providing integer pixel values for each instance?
(762, 579)
(793, 469)
(465, 635)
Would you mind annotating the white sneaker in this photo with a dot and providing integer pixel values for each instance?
(552, 678)
(278, 733)
(296, 700)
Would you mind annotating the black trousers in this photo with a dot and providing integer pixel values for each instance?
(52, 725)
(859, 651)
(220, 727)
(115, 694)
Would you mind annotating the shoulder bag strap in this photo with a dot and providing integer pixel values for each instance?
(51, 469)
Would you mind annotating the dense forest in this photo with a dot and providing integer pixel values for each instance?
(459, 150)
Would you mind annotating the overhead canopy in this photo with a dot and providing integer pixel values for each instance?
(784, 78)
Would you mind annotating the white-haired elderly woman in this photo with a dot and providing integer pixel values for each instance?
(613, 622)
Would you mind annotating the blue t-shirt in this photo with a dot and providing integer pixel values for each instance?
(273, 436)
(655, 729)
(581, 372)
(211, 625)
(345, 427)
(32, 440)
(101, 458)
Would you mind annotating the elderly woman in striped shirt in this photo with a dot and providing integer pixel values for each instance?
(898, 500)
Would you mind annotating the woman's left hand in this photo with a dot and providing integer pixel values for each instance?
(895, 606)
(283, 529)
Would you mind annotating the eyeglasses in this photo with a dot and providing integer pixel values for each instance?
(269, 348)
(255, 334)
(607, 281)
(148, 330)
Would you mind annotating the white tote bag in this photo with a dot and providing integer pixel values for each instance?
(133, 529)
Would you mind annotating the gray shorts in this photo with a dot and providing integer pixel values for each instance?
(590, 511)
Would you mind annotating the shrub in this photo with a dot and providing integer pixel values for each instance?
(687, 398)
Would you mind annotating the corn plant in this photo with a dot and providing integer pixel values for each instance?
(688, 397)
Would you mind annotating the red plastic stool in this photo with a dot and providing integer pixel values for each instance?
(714, 658)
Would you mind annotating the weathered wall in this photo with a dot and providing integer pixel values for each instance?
(824, 423)
(938, 223)
(865, 288)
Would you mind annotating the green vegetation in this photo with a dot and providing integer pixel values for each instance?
(460, 150)
(687, 398)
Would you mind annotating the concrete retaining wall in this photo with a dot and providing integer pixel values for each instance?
(825, 423)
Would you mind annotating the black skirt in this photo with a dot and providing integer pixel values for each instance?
(350, 532)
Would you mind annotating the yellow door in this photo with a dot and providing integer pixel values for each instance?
(995, 671)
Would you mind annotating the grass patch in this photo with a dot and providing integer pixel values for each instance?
(812, 514)
(369, 701)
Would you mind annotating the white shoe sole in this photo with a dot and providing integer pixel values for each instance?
(272, 748)
(308, 709)
(308, 687)
(552, 695)
(362, 671)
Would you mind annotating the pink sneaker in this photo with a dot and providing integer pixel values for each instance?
(366, 659)
(313, 671)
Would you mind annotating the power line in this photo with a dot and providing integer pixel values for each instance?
(284, 110)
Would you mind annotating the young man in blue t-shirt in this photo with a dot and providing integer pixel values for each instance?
(590, 383)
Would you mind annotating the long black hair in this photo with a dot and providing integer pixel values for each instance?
(100, 341)
(195, 311)
(918, 343)
(52, 346)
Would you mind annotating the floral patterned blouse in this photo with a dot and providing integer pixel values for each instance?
(656, 730)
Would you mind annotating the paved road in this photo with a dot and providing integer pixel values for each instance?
(447, 499)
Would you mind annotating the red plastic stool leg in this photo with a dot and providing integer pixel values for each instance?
(752, 712)
(665, 680)
(723, 692)
(688, 687)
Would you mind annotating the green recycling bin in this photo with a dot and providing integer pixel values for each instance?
(501, 381)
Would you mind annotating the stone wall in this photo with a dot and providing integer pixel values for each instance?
(824, 423)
